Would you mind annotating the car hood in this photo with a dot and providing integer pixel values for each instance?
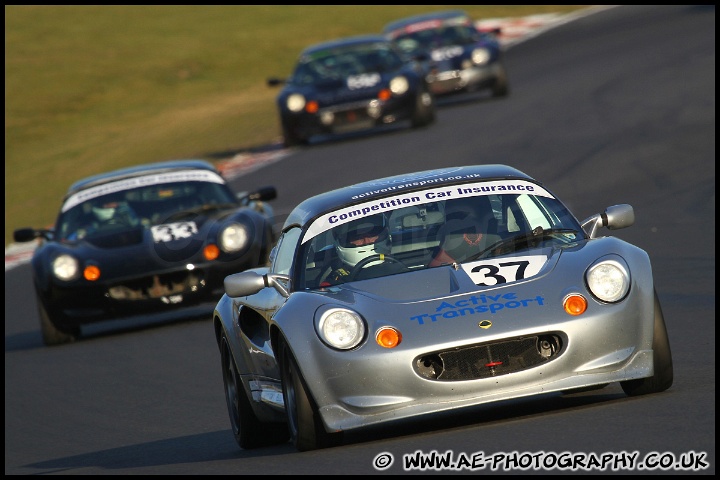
(411, 301)
(127, 251)
(446, 281)
(334, 91)
(116, 238)
(558, 266)
(125, 236)
(409, 287)
(432, 284)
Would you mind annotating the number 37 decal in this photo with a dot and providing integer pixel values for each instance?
(489, 272)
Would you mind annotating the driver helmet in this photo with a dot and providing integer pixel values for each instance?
(105, 212)
(362, 238)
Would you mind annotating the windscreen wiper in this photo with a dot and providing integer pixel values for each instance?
(527, 238)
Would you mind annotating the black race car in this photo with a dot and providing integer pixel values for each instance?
(351, 84)
(145, 239)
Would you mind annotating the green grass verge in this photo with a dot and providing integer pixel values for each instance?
(93, 88)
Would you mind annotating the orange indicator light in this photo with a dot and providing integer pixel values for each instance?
(91, 273)
(312, 106)
(575, 304)
(388, 337)
(211, 252)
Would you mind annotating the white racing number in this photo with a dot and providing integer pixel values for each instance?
(489, 272)
(365, 80)
(173, 231)
(446, 53)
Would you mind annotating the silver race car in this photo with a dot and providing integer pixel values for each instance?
(412, 295)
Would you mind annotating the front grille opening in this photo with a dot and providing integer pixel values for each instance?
(158, 286)
(489, 360)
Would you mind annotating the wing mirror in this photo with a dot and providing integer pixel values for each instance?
(614, 217)
(251, 282)
(276, 82)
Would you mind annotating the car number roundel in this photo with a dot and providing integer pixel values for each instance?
(489, 272)
(446, 53)
(363, 81)
(173, 231)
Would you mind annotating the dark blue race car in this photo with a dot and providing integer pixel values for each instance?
(151, 238)
(351, 84)
(457, 56)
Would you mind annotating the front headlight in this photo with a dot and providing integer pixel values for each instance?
(233, 238)
(399, 85)
(608, 280)
(341, 328)
(480, 56)
(295, 102)
(65, 267)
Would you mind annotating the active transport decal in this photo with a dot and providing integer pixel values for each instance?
(398, 182)
(447, 192)
(130, 183)
(489, 272)
(477, 304)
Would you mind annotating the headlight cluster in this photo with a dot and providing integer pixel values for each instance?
(608, 280)
(233, 237)
(295, 102)
(341, 328)
(65, 267)
(344, 329)
(399, 85)
(480, 56)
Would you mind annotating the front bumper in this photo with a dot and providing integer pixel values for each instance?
(71, 306)
(350, 117)
(470, 79)
(356, 411)
(448, 363)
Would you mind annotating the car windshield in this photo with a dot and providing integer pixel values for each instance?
(431, 229)
(140, 201)
(342, 62)
(434, 38)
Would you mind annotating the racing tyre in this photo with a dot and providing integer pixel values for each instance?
(292, 140)
(51, 334)
(424, 113)
(501, 87)
(248, 430)
(662, 379)
(306, 429)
